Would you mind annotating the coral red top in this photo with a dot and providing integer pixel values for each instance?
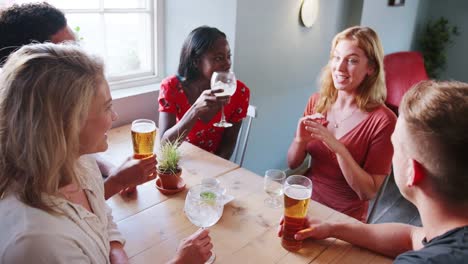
(172, 99)
(369, 144)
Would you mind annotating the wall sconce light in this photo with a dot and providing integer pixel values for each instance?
(396, 2)
(309, 12)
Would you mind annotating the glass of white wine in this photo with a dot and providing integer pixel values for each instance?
(273, 186)
(204, 207)
(226, 81)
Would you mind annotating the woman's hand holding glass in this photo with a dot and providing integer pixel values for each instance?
(204, 207)
(208, 104)
(313, 228)
(134, 172)
(195, 248)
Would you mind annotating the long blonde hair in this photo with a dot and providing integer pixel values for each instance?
(45, 93)
(372, 91)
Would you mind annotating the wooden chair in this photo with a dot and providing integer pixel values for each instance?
(402, 71)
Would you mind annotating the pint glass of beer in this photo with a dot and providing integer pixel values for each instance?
(143, 136)
(297, 192)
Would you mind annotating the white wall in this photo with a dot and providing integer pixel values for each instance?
(182, 16)
(280, 60)
(395, 25)
(135, 107)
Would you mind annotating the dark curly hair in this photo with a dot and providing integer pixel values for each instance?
(27, 23)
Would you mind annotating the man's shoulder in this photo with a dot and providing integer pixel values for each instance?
(451, 247)
(433, 256)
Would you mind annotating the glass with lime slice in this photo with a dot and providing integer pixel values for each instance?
(203, 207)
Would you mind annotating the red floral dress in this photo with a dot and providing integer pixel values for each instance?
(172, 99)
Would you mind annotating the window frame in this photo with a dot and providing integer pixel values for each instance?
(155, 75)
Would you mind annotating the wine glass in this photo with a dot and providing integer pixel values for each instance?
(273, 186)
(204, 207)
(227, 82)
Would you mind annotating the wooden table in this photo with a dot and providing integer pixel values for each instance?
(154, 224)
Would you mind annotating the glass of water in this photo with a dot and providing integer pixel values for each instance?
(273, 186)
(204, 207)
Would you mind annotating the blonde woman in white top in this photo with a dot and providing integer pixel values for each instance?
(55, 109)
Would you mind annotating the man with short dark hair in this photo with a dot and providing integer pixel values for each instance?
(431, 171)
(27, 23)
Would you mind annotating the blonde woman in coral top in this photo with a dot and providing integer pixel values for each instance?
(346, 128)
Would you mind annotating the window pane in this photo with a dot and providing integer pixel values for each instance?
(81, 4)
(89, 29)
(126, 3)
(128, 38)
(122, 40)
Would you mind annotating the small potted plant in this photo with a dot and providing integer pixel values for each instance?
(168, 168)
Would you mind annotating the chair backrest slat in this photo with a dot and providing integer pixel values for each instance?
(243, 138)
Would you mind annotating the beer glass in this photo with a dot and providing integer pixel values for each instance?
(204, 207)
(297, 192)
(143, 137)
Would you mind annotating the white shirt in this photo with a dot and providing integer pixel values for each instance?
(30, 235)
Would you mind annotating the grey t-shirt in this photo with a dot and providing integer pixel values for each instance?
(451, 247)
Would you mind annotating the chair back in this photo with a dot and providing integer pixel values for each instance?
(402, 70)
(243, 137)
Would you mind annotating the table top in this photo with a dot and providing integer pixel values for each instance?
(154, 224)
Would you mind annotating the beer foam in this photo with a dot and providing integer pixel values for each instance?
(297, 192)
(143, 127)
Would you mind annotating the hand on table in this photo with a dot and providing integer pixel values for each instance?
(313, 228)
